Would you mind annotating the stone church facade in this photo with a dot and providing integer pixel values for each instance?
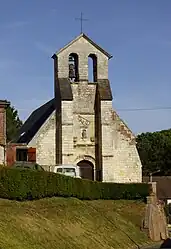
(79, 126)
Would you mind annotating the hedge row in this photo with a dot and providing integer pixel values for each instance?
(29, 185)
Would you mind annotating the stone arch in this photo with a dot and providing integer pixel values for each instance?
(73, 64)
(92, 68)
(87, 167)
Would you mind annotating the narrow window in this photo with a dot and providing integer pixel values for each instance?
(73, 68)
(92, 68)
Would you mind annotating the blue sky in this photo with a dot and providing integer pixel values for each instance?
(136, 33)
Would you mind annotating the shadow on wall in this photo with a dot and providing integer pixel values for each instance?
(166, 244)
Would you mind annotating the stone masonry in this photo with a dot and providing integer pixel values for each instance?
(120, 159)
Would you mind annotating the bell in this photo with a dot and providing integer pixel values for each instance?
(71, 71)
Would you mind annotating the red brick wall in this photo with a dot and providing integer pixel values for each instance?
(2, 125)
(10, 154)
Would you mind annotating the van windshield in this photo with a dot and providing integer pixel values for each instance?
(67, 171)
(59, 170)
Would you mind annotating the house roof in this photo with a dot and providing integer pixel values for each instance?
(163, 186)
(34, 122)
(89, 40)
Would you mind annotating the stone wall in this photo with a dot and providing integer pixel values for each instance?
(67, 131)
(82, 111)
(107, 141)
(128, 167)
(44, 142)
(82, 48)
(121, 161)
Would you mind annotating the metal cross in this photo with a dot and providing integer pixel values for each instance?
(81, 19)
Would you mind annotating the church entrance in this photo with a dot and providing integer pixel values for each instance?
(86, 169)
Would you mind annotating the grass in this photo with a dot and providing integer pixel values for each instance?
(68, 223)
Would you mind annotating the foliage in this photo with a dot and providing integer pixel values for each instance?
(167, 209)
(13, 122)
(28, 184)
(155, 151)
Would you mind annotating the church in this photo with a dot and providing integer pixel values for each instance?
(79, 125)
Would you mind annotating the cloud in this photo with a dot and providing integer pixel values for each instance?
(43, 48)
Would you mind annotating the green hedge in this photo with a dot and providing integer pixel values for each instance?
(28, 185)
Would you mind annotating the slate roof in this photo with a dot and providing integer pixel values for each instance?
(34, 122)
(65, 89)
(105, 89)
(90, 41)
(163, 186)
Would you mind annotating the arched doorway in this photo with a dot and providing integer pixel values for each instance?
(86, 169)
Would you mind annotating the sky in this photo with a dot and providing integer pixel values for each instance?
(136, 33)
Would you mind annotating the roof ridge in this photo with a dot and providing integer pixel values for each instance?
(88, 39)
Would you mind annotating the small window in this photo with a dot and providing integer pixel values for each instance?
(21, 155)
(69, 170)
(59, 170)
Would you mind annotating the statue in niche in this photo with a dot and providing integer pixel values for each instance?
(84, 134)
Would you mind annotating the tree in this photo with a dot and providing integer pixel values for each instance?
(155, 151)
(13, 122)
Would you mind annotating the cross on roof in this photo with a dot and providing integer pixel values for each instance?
(81, 19)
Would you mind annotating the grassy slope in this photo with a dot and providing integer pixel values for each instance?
(70, 223)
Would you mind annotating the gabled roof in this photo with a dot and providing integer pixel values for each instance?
(34, 122)
(89, 40)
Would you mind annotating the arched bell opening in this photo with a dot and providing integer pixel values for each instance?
(92, 68)
(73, 67)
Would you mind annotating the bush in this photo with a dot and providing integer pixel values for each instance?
(29, 185)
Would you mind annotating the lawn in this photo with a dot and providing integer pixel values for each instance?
(69, 223)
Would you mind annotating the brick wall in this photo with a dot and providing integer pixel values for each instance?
(2, 125)
(3, 105)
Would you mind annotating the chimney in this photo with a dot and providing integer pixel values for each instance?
(3, 105)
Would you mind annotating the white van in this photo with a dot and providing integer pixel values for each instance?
(68, 170)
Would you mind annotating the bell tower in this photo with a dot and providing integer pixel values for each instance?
(77, 99)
